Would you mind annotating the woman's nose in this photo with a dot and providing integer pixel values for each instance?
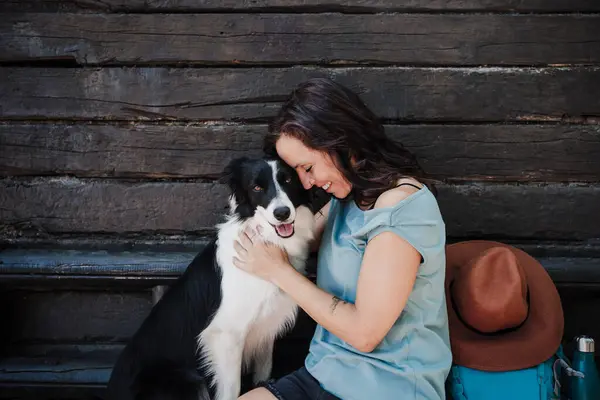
(307, 182)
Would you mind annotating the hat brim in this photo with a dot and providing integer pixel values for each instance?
(536, 340)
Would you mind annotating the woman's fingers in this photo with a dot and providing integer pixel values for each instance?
(247, 237)
(237, 262)
(251, 233)
(239, 249)
(244, 241)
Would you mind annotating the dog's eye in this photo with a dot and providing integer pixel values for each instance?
(257, 188)
(288, 180)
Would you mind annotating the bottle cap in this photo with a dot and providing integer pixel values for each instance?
(585, 344)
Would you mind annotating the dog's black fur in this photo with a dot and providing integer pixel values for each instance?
(160, 361)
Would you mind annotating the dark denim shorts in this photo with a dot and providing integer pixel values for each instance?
(299, 385)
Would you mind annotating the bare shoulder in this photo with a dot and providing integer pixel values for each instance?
(397, 194)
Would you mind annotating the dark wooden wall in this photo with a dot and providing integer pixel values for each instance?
(117, 116)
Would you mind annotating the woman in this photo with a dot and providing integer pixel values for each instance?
(379, 304)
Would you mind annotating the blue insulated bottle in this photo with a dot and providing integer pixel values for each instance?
(588, 386)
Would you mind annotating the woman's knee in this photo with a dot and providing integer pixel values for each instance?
(258, 394)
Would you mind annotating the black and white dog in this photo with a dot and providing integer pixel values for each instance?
(217, 320)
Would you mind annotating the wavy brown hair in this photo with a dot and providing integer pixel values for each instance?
(329, 117)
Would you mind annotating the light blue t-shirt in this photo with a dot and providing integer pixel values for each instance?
(414, 359)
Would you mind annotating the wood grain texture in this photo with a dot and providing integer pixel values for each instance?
(82, 263)
(521, 211)
(71, 205)
(397, 93)
(116, 266)
(138, 150)
(461, 39)
(65, 316)
(52, 365)
(530, 211)
(360, 6)
(450, 152)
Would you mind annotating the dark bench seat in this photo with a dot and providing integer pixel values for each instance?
(68, 311)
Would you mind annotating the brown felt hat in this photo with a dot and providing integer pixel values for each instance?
(504, 311)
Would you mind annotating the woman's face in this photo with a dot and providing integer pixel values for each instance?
(314, 168)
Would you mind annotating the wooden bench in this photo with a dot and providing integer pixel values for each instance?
(117, 116)
(68, 312)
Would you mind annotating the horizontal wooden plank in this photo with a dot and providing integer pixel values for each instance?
(189, 244)
(139, 150)
(94, 262)
(520, 211)
(71, 205)
(525, 153)
(573, 270)
(71, 316)
(113, 267)
(449, 152)
(360, 6)
(398, 93)
(91, 366)
(530, 211)
(455, 39)
(57, 371)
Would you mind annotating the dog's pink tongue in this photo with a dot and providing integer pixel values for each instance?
(285, 230)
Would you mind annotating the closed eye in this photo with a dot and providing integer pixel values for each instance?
(308, 169)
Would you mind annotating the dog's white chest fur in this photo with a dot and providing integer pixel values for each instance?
(253, 312)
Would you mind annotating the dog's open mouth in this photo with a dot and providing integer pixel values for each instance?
(284, 230)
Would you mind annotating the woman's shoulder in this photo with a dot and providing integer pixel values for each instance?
(392, 197)
(410, 200)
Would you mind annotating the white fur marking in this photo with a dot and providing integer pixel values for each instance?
(280, 200)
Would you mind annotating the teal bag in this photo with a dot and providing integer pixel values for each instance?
(540, 382)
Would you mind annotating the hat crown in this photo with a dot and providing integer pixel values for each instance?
(490, 292)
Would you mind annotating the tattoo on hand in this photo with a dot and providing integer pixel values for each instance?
(335, 302)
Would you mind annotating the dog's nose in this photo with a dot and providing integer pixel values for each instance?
(281, 213)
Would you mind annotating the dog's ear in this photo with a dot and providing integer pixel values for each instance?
(231, 171)
(269, 149)
(232, 175)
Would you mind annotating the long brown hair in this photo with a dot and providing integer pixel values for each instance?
(327, 116)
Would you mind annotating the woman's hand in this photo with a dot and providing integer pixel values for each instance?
(257, 257)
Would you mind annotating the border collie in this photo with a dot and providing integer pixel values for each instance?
(216, 320)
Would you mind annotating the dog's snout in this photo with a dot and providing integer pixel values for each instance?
(282, 213)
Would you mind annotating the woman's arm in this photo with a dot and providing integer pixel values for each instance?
(386, 279)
